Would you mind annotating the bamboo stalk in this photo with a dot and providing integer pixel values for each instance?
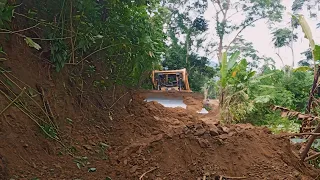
(12, 102)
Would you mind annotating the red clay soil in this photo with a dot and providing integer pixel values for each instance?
(115, 134)
(186, 148)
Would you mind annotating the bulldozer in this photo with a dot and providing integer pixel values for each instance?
(171, 88)
(171, 80)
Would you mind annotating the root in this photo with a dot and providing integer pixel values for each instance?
(152, 169)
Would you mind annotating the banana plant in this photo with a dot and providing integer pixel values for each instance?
(315, 49)
(233, 73)
(226, 66)
(234, 82)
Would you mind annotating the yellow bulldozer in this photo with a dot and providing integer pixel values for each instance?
(170, 80)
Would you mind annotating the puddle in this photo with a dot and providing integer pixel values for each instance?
(168, 102)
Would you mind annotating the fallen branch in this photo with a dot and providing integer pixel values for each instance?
(118, 100)
(152, 169)
(7, 31)
(12, 102)
(101, 49)
(291, 113)
(309, 143)
(300, 134)
(27, 114)
(312, 157)
(47, 107)
(28, 162)
(229, 177)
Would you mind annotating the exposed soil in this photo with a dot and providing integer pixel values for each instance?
(114, 133)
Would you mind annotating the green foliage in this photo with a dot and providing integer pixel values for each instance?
(283, 37)
(49, 131)
(316, 53)
(32, 44)
(306, 29)
(252, 12)
(289, 91)
(59, 54)
(234, 94)
(224, 70)
(183, 52)
(278, 89)
(247, 95)
(232, 60)
(247, 51)
(126, 35)
(302, 69)
(3, 54)
(308, 58)
(311, 6)
(6, 14)
(199, 69)
(278, 124)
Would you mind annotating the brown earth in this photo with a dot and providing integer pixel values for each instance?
(114, 133)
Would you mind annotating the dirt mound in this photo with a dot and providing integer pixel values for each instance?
(196, 150)
(114, 133)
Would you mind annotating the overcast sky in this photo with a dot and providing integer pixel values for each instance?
(261, 37)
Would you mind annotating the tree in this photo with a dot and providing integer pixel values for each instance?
(182, 25)
(310, 5)
(268, 64)
(126, 35)
(285, 37)
(308, 59)
(252, 12)
(185, 36)
(247, 51)
(199, 69)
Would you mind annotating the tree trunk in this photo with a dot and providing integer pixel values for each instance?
(314, 86)
(188, 39)
(292, 56)
(308, 111)
(292, 29)
(220, 48)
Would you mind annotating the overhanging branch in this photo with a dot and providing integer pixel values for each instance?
(243, 28)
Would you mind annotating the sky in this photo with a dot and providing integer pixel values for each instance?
(261, 36)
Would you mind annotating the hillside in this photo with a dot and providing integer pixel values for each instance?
(122, 137)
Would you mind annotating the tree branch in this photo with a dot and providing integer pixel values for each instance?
(233, 14)
(96, 52)
(280, 58)
(312, 157)
(221, 8)
(243, 28)
(13, 32)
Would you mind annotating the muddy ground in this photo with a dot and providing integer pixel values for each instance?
(113, 134)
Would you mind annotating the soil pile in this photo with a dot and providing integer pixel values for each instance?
(184, 147)
(114, 133)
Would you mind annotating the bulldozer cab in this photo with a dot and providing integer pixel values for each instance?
(170, 80)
